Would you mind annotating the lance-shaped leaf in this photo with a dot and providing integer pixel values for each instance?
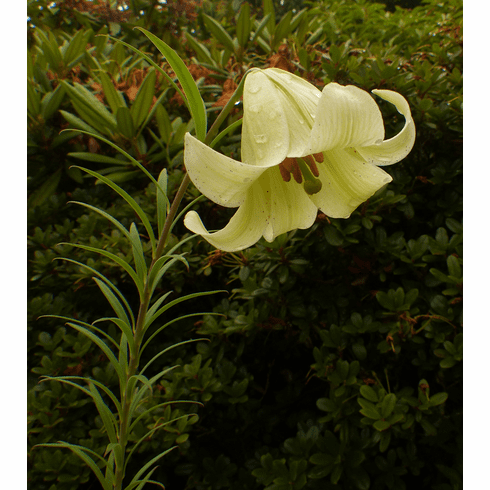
(243, 25)
(219, 32)
(83, 454)
(118, 260)
(114, 98)
(196, 104)
(89, 106)
(144, 98)
(70, 380)
(125, 124)
(138, 254)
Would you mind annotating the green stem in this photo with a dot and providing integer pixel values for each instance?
(126, 394)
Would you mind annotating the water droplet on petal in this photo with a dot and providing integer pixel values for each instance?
(273, 114)
(255, 108)
(260, 138)
(253, 89)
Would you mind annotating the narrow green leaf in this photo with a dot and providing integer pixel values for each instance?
(51, 101)
(139, 484)
(136, 207)
(219, 32)
(125, 329)
(138, 254)
(102, 345)
(67, 380)
(163, 309)
(173, 346)
(106, 415)
(201, 51)
(122, 152)
(151, 462)
(160, 405)
(268, 9)
(106, 281)
(223, 133)
(260, 27)
(282, 30)
(114, 98)
(118, 260)
(163, 123)
(76, 46)
(163, 204)
(113, 301)
(113, 220)
(160, 271)
(49, 49)
(243, 25)
(33, 100)
(196, 104)
(78, 93)
(155, 307)
(84, 324)
(81, 451)
(125, 124)
(78, 123)
(144, 98)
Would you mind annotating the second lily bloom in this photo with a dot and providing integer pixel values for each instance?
(302, 150)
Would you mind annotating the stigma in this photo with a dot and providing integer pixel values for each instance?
(303, 168)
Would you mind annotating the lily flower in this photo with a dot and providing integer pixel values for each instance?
(303, 150)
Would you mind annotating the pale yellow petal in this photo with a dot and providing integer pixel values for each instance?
(347, 182)
(278, 115)
(345, 117)
(244, 229)
(397, 148)
(220, 178)
(299, 99)
(290, 206)
(265, 135)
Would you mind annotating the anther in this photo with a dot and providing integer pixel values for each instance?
(311, 163)
(318, 157)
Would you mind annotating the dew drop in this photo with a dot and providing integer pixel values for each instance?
(273, 114)
(260, 138)
(253, 89)
(255, 108)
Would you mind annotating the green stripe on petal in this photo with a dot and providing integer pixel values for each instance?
(345, 117)
(243, 230)
(347, 182)
(397, 148)
(220, 178)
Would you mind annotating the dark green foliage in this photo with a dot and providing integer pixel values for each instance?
(336, 360)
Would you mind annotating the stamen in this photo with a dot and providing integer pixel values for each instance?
(318, 157)
(297, 173)
(303, 168)
(311, 163)
(311, 185)
(285, 174)
(288, 163)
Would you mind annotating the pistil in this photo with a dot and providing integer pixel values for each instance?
(300, 168)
